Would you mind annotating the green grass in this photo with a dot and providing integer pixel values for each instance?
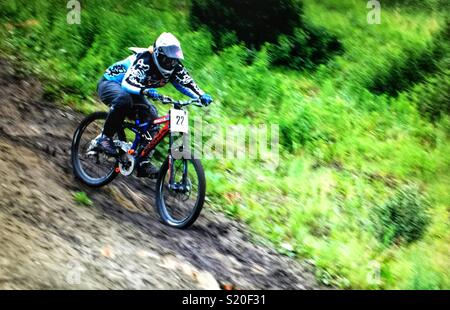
(82, 199)
(345, 148)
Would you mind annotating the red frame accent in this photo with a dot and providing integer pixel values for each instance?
(161, 120)
(159, 136)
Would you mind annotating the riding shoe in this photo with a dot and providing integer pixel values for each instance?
(147, 170)
(106, 144)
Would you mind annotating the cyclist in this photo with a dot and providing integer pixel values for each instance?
(127, 82)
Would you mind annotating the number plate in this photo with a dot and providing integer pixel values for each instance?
(179, 121)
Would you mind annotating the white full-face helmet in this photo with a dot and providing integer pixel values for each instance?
(167, 53)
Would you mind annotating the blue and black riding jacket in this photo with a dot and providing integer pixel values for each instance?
(138, 72)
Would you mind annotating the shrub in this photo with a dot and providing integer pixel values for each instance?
(295, 43)
(253, 21)
(412, 65)
(402, 219)
(307, 47)
(433, 97)
(419, 4)
(298, 128)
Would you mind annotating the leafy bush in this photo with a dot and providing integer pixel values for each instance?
(418, 4)
(433, 96)
(252, 21)
(404, 218)
(298, 128)
(305, 48)
(412, 65)
(296, 44)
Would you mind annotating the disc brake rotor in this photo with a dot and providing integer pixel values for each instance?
(126, 164)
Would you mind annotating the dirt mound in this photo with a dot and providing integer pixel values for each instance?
(48, 241)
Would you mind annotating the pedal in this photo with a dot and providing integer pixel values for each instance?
(91, 153)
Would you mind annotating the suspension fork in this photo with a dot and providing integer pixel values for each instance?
(171, 175)
(185, 172)
(185, 164)
(171, 165)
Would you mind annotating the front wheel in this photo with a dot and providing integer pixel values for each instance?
(180, 204)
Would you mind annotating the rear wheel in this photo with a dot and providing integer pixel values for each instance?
(93, 168)
(180, 207)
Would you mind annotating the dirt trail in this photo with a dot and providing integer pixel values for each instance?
(48, 241)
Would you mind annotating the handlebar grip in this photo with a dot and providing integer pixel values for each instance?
(165, 99)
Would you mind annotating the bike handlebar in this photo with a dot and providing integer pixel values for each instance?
(179, 103)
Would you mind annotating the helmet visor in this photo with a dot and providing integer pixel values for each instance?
(173, 51)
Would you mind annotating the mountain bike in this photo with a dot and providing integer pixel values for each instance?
(180, 184)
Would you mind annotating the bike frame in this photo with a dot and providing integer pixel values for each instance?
(159, 136)
(141, 129)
